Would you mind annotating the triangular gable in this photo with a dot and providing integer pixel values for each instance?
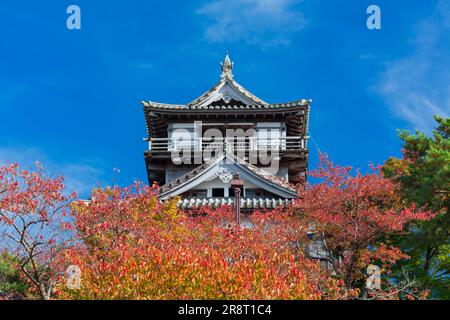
(227, 90)
(190, 179)
(232, 165)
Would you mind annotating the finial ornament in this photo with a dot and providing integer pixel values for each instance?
(227, 67)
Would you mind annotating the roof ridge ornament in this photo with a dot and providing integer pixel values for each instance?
(227, 67)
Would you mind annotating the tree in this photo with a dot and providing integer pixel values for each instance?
(424, 176)
(134, 247)
(356, 216)
(12, 283)
(34, 224)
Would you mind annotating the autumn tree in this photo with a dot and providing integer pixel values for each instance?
(129, 245)
(34, 224)
(424, 176)
(355, 214)
(134, 247)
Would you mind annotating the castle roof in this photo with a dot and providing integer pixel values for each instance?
(227, 94)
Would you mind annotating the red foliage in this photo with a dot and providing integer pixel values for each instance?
(136, 247)
(32, 209)
(355, 213)
(129, 245)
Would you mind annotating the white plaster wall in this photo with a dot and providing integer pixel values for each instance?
(217, 183)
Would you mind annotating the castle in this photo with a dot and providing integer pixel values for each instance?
(195, 149)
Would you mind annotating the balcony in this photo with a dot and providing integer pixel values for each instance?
(236, 144)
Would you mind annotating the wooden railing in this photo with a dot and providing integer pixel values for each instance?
(244, 144)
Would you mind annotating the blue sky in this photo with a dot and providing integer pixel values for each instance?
(70, 99)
